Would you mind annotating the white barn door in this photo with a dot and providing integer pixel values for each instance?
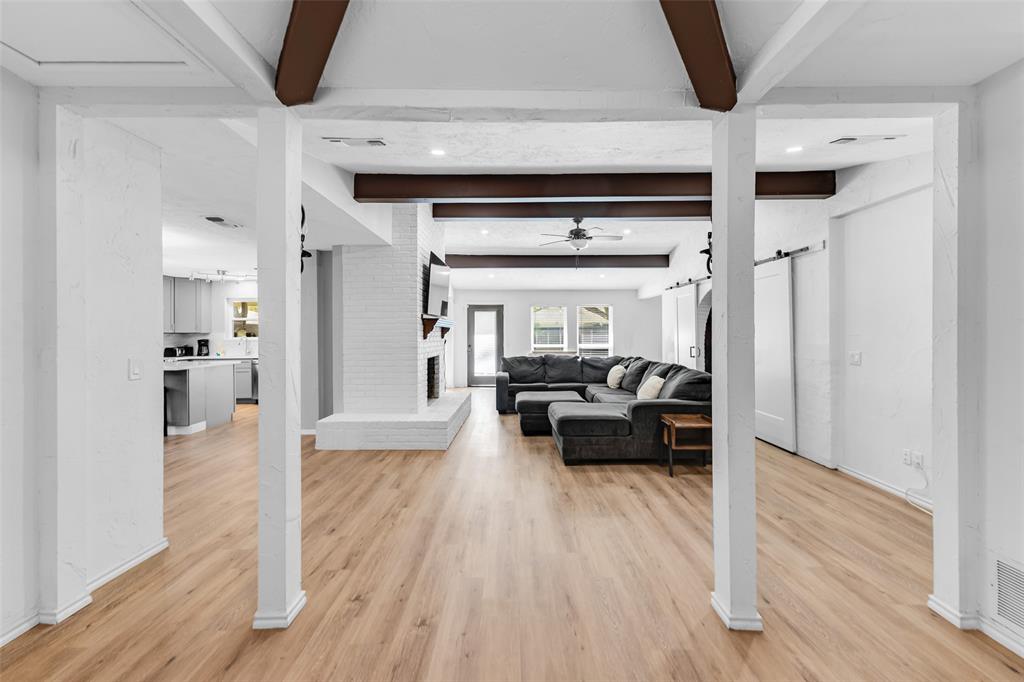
(774, 390)
(686, 336)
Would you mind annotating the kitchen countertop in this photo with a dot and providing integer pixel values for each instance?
(177, 364)
(212, 358)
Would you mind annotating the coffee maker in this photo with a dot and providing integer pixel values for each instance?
(203, 347)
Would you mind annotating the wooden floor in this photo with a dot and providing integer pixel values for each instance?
(495, 562)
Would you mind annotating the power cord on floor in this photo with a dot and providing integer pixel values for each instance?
(919, 493)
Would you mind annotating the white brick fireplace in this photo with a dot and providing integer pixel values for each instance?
(384, 356)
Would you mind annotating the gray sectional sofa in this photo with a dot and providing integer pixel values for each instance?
(608, 423)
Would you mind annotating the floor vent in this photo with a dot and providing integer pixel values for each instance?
(1010, 593)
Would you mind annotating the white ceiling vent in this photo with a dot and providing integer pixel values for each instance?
(865, 139)
(1010, 593)
(356, 141)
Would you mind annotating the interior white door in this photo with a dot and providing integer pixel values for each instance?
(687, 348)
(774, 391)
(668, 327)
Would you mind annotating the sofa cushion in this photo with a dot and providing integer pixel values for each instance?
(684, 383)
(537, 402)
(574, 419)
(595, 370)
(634, 374)
(658, 369)
(513, 389)
(524, 369)
(616, 398)
(594, 389)
(578, 388)
(562, 369)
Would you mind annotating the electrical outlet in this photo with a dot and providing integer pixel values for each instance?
(917, 460)
(855, 358)
(907, 459)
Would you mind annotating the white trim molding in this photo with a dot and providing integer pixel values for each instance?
(882, 485)
(1003, 635)
(186, 430)
(54, 617)
(267, 621)
(748, 623)
(19, 628)
(129, 564)
(962, 620)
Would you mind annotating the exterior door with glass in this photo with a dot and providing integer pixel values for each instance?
(486, 332)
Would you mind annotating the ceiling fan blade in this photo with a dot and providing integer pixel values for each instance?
(591, 229)
(548, 234)
(612, 237)
(557, 241)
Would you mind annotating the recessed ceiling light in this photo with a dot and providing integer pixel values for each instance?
(794, 150)
(437, 152)
(601, 275)
(490, 275)
(484, 231)
(627, 231)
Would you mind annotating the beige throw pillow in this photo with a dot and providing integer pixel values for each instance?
(615, 375)
(650, 389)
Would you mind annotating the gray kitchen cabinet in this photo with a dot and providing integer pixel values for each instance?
(168, 305)
(191, 306)
(243, 381)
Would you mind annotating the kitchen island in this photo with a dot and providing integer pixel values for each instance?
(200, 394)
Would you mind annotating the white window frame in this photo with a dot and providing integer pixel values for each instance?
(565, 330)
(580, 347)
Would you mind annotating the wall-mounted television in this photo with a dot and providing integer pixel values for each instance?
(438, 279)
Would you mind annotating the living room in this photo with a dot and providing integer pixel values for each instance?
(574, 363)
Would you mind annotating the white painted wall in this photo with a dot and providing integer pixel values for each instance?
(1001, 107)
(636, 323)
(124, 418)
(885, 309)
(309, 360)
(19, 560)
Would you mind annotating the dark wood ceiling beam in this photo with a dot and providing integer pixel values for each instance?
(608, 210)
(567, 261)
(401, 189)
(308, 40)
(697, 31)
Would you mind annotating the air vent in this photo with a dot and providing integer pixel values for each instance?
(865, 139)
(1010, 593)
(356, 141)
(217, 220)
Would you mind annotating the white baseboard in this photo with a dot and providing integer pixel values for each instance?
(186, 430)
(308, 432)
(54, 617)
(999, 632)
(882, 485)
(277, 621)
(19, 628)
(749, 624)
(961, 619)
(131, 563)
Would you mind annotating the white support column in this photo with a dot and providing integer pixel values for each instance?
(58, 296)
(957, 273)
(278, 203)
(733, 494)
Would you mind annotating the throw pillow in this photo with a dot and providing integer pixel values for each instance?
(635, 374)
(657, 369)
(650, 389)
(615, 375)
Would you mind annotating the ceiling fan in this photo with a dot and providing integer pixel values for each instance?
(580, 238)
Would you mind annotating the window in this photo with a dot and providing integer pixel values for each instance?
(594, 330)
(547, 325)
(245, 317)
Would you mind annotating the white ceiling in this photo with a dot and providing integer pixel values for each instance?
(918, 42)
(554, 278)
(96, 43)
(593, 147)
(208, 169)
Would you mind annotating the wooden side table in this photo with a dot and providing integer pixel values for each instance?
(686, 432)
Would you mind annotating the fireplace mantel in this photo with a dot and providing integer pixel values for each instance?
(431, 321)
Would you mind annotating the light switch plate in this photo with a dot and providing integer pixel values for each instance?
(134, 369)
(855, 358)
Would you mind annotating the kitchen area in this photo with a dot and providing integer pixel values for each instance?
(211, 350)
